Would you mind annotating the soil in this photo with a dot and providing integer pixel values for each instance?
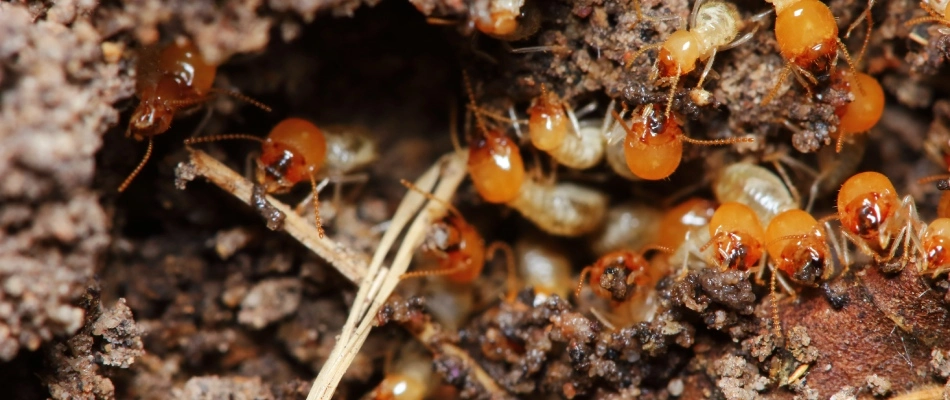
(159, 292)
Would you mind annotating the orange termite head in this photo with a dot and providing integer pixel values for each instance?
(807, 34)
(168, 79)
(293, 151)
(399, 387)
(460, 247)
(613, 273)
(506, 19)
(684, 217)
(865, 201)
(798, 247)
(155, 111)
(936, 243)
(679, 53)
(737, 237)
(653, 147)
(547, 122)
(867, 108)
(496, 167)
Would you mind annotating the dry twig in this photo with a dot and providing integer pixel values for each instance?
(373, 293)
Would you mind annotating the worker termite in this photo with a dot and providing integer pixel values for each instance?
(862, 113)
(737, 237)
(506, 19)
(169, 80)
(807, 36)
(654, 144)
(936, 246)
(877, 221)
(755, 187)
(294, 151)
(798, 245)
(408, 378)
(616, 145)
(550, 124)
(498, 174)
(562, 209)
(616, 274)
(494, 161)
(628, 280)
(714, 26)
(458, 244)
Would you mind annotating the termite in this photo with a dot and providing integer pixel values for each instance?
(807, 36)
(798, 245)
(170, 80)
(737, 237)
(936, 246)
(562, 209)
(458, 244)
(755, 187)
(714, 26)
(654, 144)
(408, 378)
(627, 279)
(294, 151)
(498, 174)
(506, 19)
(876, 220)
(617, 274)
(553, 128)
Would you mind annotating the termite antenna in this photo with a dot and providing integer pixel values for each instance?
(510, 265)
(717, 142)
(316, 205)
(778, 85)
(148, 153)
(640, 52)
(934, 17)
(436, 272)
(776, 322)
(493, 115)
(786, 237)
(580, 281)
(669, 97)
(851, 65)
(933, 178)
(619, 120)
(655, 247)
(471, 99)
(242, 97)
(412, 186)
(867, 38)
(217, 138)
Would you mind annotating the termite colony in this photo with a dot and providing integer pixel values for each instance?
(621, 261)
